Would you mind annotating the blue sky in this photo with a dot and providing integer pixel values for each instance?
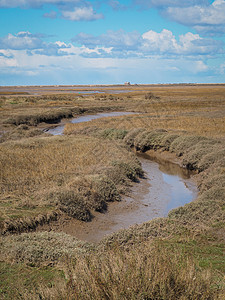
(45, 42)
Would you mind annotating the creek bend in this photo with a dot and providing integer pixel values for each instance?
(166, 186)
(58, 130)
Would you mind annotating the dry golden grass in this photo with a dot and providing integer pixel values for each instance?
(33, 170)
(179, 257)
(159, 270)
(193, 110)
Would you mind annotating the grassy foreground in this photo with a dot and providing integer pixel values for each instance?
(43, 177)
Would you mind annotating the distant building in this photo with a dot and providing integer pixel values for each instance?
(127, 83)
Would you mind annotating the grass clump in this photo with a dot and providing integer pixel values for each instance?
(19, 281)
(145, 272)
(73, 174)
(150, 140)
(112, 133)
(51, 116)
(106, 189)
(131, 135)
(73, 205)
(128, 170)
(181, 144)
(151, 96)
(178, 257)
(21, 131)
(41, 248)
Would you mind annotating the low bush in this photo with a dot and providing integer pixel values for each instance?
(73, 205)
(128, 170)
(75, 174)
(131, 135)
(40, 248)
(182, 144)
(150, 140)
(112, 133)
(35, 118)
(22, 131)
(151, 96)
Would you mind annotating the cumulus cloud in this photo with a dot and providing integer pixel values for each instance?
(35, 3)
(32, 43)
(205, 17)
(73, 10)
(51, 15)
(124, 44)
(81, 14)
(22, 40)
(119, 40)
(116, 44)
(116, 5)
(116, 53)
(213, 14)
(166, 3)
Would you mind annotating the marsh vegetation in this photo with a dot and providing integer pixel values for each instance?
(45, 177)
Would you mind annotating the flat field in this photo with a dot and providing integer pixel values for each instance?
(44, 178)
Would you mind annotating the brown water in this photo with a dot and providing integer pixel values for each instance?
(165, 187)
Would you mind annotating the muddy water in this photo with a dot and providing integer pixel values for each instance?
(58, 130)
(166, 186)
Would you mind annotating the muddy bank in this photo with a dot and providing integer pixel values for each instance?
(166, 186)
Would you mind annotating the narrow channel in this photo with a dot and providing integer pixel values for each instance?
(166, 186)
(58, 130)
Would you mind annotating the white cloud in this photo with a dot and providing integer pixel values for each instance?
(159, 42)
(136, 70)
(22, 40)
(222, 69)
(166, 3)
(208, 19)
(199, 15)
(119, 40)
(35, 3)
(200, 66)
(205, 17)
(6, 62)
(51, 15)
(150, 43)
(116, 5)
(32, 43)
(73, 10)
(124, 56)
(81, 14)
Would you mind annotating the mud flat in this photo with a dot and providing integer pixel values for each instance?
(166, 186)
